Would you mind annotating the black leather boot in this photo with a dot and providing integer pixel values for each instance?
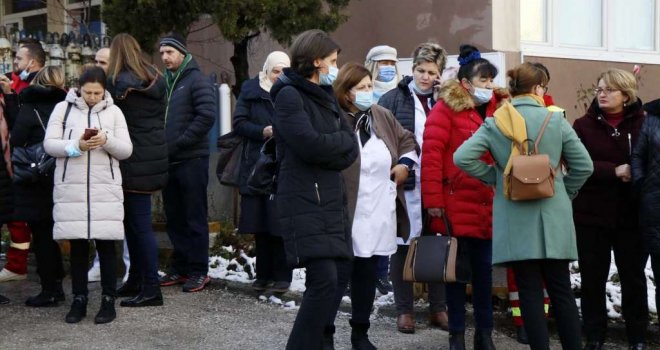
(107, 311)
(359, 337)
(457, 340)
(483, 339)
(78, 309)
(148, 297)
(328, 338)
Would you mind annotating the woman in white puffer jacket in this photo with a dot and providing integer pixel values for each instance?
(88, 193)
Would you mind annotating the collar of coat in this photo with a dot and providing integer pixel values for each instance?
(323, 95)
(79, 101)
(458, 99)
(634, 110)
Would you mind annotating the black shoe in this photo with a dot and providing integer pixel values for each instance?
(78, 309)
(521, 335)
(638, 346)
(384, 286)
(107, 311)
(171, 279)
(457, 341)
(44, 299)
(483, 339)
(259, 285)
(129, 289)
(594, 345)
(279, 287)
(329, 338)
(4, 300)
(347, 292)
(141, 300)
(195, 283)
(359, 337)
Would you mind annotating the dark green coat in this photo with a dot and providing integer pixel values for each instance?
(537, 229)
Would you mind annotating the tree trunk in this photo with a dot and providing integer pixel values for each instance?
(240, 62)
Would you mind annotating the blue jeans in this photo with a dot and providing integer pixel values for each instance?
(140, 239)
(480, 252)
(186, 209)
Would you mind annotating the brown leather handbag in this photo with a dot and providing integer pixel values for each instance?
(532, 176)
(437, 258)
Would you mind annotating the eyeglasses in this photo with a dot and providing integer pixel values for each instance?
(607, 91)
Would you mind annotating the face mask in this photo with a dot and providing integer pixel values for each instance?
(328, 79)
(386, 73)
(481, 95)
(25, 74)
(420, 91)
(363, 100)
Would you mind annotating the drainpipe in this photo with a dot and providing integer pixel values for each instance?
(225, 109)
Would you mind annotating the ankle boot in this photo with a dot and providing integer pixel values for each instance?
(107, 311)
(148, 297)
(483, 339)
(359, 337)
(78, 309)
(457, 340)
(328, 338)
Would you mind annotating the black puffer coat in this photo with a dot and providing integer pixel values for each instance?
(34, 201)
(646, 177)
(6, 194)
(191, 111)
(401, 102)
(314, 143)
(254, 111)
(143, 105)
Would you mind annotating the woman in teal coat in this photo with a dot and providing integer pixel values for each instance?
(537, 237)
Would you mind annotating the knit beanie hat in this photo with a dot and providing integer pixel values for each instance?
(176, 41)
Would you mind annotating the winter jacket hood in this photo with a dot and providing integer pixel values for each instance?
(127, 82)
(79, 102)
(36, 94)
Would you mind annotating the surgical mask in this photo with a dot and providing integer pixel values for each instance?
(328, 79)
(419, 91)
(481, 95)
(386, 73)
(363, 100)
(25, 74)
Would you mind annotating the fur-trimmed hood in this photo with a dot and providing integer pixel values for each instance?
(458, 99)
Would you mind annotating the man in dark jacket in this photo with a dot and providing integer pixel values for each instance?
(190, 113)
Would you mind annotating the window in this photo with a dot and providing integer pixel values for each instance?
(608, 30)
(16, 6)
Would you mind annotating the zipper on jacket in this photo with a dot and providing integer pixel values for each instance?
(318, 194)
(112, 171)
(66, 160)
(89, 166)
(629, 145)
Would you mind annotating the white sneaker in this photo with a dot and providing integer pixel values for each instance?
(6, 275)
(94, 274)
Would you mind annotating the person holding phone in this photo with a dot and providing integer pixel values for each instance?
(88, 194)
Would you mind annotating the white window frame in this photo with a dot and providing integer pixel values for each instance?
(606, 52)
(18, 17)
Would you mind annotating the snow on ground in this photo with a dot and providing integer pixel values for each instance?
(233, 270)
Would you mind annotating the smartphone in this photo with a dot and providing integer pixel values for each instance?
(89, 133)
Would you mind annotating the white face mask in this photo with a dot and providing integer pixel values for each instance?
(481, 95)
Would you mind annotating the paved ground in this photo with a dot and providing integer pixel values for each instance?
(221, 317)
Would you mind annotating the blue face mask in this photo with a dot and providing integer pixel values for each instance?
(386, 73)
(363, 100)
(328, 79)
(481, 95)
(25, 74)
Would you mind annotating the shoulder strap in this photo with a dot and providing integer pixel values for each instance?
(66, 116)
(540, 136)
(39, 119)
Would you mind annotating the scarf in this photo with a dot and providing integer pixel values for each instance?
(512, 125)
(275, 59)
(171, 78)
(381, 87)
(4, 138)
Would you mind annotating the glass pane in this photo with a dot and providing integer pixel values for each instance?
(580, 22)
(15, 6)
(35, 24)
(633, 24)
(533, 19)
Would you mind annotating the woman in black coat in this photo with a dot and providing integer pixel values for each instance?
(314, 144)
(646, 183)
(139, 91)
(34, 202)
(253, 120)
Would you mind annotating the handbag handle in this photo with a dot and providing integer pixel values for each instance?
(450, 230)
(540, 136)
(40, 121)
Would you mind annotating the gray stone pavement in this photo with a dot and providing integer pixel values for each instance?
(224, 316)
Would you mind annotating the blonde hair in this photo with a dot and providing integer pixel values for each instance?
(126, 55)
(430, 52)
(50, 76)
(621, 80)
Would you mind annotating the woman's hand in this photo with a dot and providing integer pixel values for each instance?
(436, 212)
(623, 172)
(94, 142)
(400, 173)
(268, 131)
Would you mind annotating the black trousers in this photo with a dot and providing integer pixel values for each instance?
(316, 306)
(186, 208)
(361, 272)
(271, 259)
(48, 254)
(594, 250)
(530, 275)
(403, 291)
(80, 265)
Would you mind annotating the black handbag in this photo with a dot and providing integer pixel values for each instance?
(437, 258)
(31, 163)
(230, 147)
(262, 179)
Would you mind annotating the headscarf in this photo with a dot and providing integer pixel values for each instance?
(275, 59)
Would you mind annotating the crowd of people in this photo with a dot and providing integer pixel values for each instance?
(369, 158)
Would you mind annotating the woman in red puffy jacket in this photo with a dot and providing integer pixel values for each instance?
(446, 190)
